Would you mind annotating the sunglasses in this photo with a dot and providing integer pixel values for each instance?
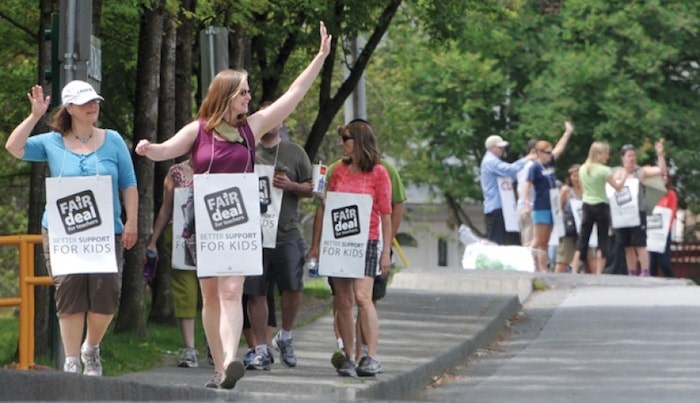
(545, 151)
(345, 138)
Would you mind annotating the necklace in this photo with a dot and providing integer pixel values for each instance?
(83, 140)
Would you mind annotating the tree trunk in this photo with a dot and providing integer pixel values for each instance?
(329, 106)
(162, 304)
(184, 68)
(132, 315)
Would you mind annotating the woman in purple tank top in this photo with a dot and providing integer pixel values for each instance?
(222, 121)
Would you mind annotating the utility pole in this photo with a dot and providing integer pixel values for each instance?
(356, 105)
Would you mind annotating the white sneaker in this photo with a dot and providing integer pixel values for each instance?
(188, 358)
(91, 360)
(72, 365)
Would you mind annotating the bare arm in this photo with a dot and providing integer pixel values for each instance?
(526, 197)
(385, 258)
(660, 169)
(617, 180)
(282, 181)
(179, 144)
(316, 234)
(131, 206)
(563, 195)
(396, 217)
(18, 138)
(165, 212)
(563, 140)
(264, 120)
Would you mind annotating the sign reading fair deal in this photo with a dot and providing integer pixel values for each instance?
(344, 236)
(227, 211)
(81, 226)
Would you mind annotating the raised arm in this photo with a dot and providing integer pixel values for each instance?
(563, 140)
(18, 138)
(660, 169)
(264, 120)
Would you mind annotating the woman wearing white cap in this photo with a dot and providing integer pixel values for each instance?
(77, 148)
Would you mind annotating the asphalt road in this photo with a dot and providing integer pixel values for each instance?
(590, 344)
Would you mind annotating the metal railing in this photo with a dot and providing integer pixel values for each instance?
(25, 301)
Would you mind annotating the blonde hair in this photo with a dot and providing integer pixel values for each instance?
(543, 145)
(223, 89)
(595, 154)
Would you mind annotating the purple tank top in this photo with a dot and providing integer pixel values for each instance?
(228, 157)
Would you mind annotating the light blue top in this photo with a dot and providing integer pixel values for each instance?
(111, 158)
(491, 168)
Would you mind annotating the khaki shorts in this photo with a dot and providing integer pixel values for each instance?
(80, 293)
(525, 223)
(185, 287)
(567, 248)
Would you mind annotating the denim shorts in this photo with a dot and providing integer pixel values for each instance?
(542, 217)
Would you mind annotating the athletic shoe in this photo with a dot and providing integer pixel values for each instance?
(286, 350)
(188, 359)
(348, 368)
(72, 365)
(261, 361)
(249, 355)
(369, 367)
(92, 364)
(338, 358)
(214, 381)
(234, 371)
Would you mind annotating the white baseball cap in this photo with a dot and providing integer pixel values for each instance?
(495, 141)
(79, 93)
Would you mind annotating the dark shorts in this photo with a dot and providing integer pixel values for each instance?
(634, 237)
(284, 265)
(371, 270)
(79, 293)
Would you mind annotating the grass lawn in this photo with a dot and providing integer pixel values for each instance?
(123, 353)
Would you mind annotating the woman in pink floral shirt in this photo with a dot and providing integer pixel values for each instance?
(360, 171)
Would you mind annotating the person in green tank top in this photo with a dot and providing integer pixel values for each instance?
(594, 174)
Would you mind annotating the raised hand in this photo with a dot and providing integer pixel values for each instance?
(40, 103)
(325, 48)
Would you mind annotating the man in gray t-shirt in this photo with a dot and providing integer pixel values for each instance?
(282, 264)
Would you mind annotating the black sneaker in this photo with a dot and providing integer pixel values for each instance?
(234, 371)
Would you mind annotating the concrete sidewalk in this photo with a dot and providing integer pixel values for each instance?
(430, 321)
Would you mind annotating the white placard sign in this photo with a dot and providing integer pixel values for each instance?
(227, 211)
(624, 205)
(508, 204)
(658, 226)
(179, 252)
(577, 209)
(344, 236)
(81, 225)
(271, 198)
(557, 215)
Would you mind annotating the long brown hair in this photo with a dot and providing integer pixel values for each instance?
(222, 90)
(61, 120)
(365, 147)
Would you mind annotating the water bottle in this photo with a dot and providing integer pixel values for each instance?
(311, 265)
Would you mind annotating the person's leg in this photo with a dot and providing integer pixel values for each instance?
(344, 302)
(643, 258)
(665, 259)
(602, 223)
(631, 260)
(72, 327)
(654, 261)
(211, 314)
(542, 229)
(230, 289)
(496, 227)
